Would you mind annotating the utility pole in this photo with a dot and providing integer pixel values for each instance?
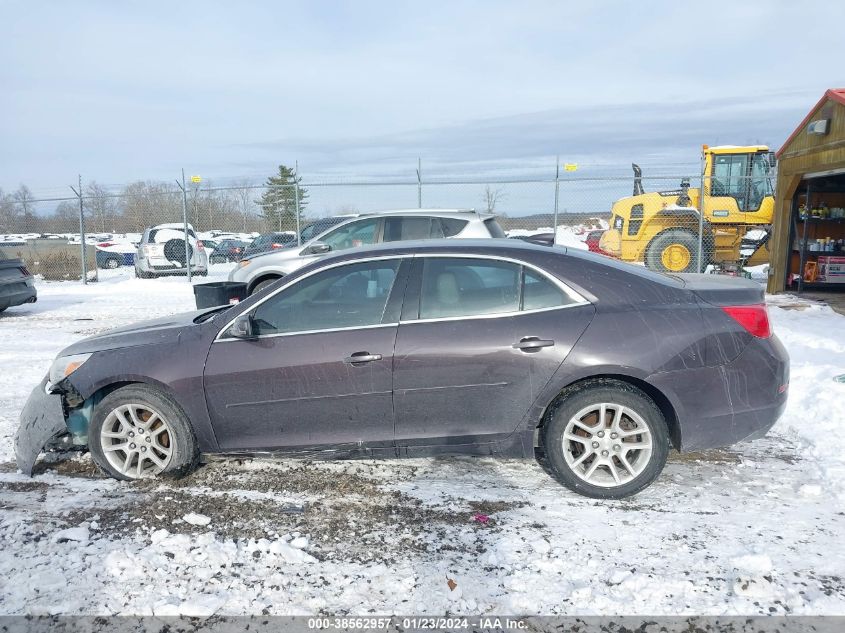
(419, 183)
(557, 197)
(701, 193)
(185, 223)
(81, 230)
(296, 199)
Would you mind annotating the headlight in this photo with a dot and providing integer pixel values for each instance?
(243, 262)
(64, 366)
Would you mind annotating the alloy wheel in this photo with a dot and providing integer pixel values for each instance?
(607, 444)
(137, 441)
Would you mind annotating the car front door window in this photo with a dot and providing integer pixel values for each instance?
(353, 295)
(353, 234)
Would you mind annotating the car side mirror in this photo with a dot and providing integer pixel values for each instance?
(243, 328)
(317, 248)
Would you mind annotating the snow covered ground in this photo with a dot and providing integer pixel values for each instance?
(752, 530)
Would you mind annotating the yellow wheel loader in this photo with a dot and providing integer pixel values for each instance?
(735, 212)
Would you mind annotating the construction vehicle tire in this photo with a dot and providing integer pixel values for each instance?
(675, 251)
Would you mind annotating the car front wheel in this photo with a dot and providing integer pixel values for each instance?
(139, 432)
(605, 439)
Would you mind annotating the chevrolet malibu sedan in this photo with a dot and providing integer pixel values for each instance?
(481, 347)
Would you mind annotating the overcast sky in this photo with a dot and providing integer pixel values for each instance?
(120, 91)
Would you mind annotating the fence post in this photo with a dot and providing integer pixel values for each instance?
(701, 265)
(185, 223)
(557, 198)
(419, 183)
(296, 200)
(81, 231)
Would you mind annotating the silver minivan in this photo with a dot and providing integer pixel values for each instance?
(373, 228)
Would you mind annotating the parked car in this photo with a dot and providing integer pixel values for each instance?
(269, 242)
(112, 255)
(485, 347)
(592, 242)
(260, 271)
(162, 252)
(543, 239)
(226, 251)
(17, 285)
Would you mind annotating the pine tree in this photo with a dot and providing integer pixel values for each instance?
(278, 202)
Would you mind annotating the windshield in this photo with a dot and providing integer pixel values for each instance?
(318, 227)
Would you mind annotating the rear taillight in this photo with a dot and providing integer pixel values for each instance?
(105, 244)
(754, 318)
(275, 246)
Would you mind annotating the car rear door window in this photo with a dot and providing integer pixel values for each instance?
(539, 292)
(465, 287)
(454, 287)
(353, 295)
(407, 228)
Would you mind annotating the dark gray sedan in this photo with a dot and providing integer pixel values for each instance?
(489, 347)
(17, 286)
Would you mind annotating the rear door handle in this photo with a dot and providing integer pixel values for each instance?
(359, 358)
(532, 344)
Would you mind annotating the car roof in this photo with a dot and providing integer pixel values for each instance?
(440, 213)
(458, 246)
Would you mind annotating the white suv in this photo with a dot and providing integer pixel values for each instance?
(162, 252)
(374, 228)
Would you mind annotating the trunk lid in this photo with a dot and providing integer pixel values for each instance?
(722, 290)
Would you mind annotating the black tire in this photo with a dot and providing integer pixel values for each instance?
(685, 242)
(261, 285)
(174, 251)
(555, 450)
(181, 440)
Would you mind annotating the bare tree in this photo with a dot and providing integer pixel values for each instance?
(492, 197)
(147, 203)
(100, 205)
(25, 203)
(65, 218)
(8, 213)
(243, 199)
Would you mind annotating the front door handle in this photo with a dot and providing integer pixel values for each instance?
(532, 344)
(359, 358)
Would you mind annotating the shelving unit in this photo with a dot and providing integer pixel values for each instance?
(805, 232)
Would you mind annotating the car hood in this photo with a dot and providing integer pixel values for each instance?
(165, 330)
(280, 254)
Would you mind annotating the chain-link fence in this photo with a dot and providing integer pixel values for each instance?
(659, 220)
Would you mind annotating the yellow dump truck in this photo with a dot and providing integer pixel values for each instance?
(661, 229)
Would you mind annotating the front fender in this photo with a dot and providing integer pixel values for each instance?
(41, 420)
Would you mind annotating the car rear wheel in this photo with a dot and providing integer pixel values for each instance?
(113, 263)
(139, 432)
(605, 439)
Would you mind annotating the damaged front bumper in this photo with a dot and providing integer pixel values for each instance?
(42, 421)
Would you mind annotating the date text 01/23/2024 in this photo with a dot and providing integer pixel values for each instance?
(417, 623)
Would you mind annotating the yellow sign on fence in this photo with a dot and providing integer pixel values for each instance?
(570, 167)
(196, 179)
